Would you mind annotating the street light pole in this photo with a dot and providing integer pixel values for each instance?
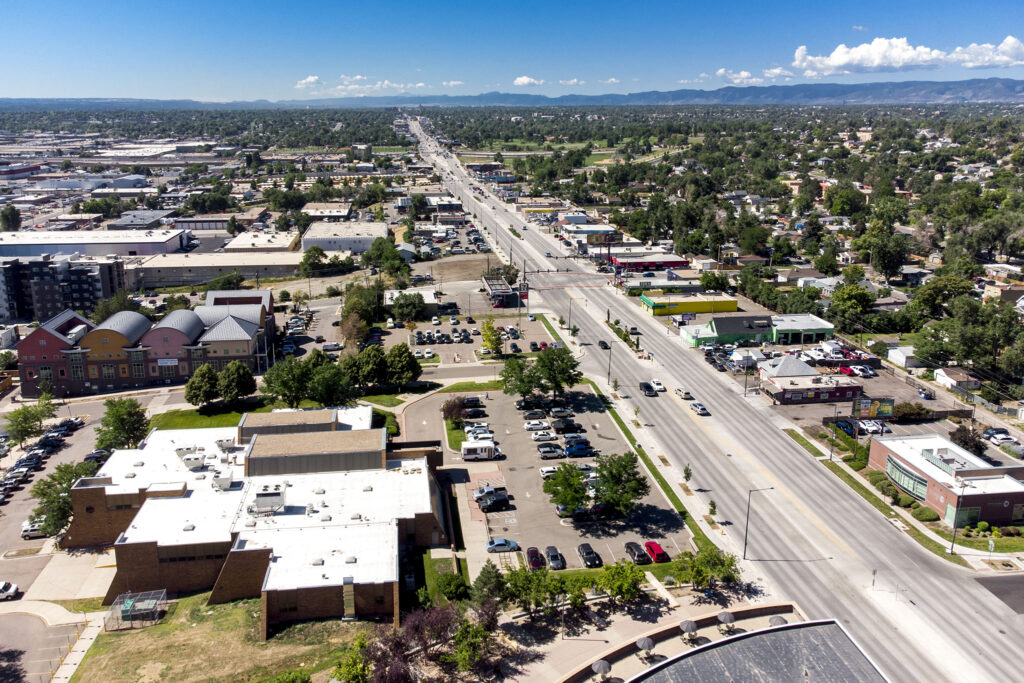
(832, 441)
(746, 524)
(608, 379)
(956, 515)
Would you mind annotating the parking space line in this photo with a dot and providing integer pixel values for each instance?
(611, 552)
(679, 550)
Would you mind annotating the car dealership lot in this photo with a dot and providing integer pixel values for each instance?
(531, 519)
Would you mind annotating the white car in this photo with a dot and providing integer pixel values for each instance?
(453, 320)
(474, 331)
(534, 425)
(427, 353)
(390, 324)
(531, 317)
(8, 590)
(699, 408)
(546, 472)
(544, 436)
(871, 426)
(480, 435)
(1002, 439)
(658, 386)
(471, 426)
(417, 353)
(435, 320)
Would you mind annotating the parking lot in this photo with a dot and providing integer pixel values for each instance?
(459, 351)
(531, 520)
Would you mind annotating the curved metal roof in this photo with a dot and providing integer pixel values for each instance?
(183, 320)
(130, 324)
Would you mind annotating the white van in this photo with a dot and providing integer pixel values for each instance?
(478, 450)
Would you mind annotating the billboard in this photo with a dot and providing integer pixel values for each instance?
(873, 408)
(605, 238)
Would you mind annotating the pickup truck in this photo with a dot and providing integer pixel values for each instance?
(488, 490)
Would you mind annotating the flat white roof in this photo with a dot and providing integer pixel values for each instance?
(262, 240)
(324, 230)
(926, 451)
(225, 259)
(800, 321)
(90, 236)
(429, 294)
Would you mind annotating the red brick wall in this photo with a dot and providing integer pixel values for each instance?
(144, 566)
(241, 576)
(95, 521)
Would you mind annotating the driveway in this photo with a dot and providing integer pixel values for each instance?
(29, 649)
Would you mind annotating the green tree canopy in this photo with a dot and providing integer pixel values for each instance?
(558, 369)
(567, 487)
(330, 386)
(287, 381)
(202, 387)
(402, 366)
(408, 306)
(235, 381)
(53, 495)
(124, 424)
(621, 484)
(491, 337)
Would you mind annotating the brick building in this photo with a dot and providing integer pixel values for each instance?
(128, 351)
(310, 542)
(38, 288)
(950, 480)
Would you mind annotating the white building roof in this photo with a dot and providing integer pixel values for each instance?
(324, 230)
(800, 321)
(942, 461)
(63, 237)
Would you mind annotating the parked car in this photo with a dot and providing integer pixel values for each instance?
(1002, 439)
(656, 552)
(475, 413)
(589, 557)
(993, 431)
(486, 490)
(637, 554)
(8, 590)
(846, 427)
(578, 450)
(554, 558)
(501, 545)
(533, 558)
(32, 529)
(534, 425)
(544, 436)
(550, 450)
(560, 412)
(497, 501)
(535, 415)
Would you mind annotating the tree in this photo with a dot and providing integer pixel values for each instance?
(232, 226)
(53, 495)
(621, 484)
(454, 409)
(968, 439)
(287, 381)
(826, 264)
(489, 584)
(714, 281)
(491, 337)
(402, 366)
(330, 386)
(121, 301)
(890, 254)
(202, 387)
(526, 588)
(519, 378)
(687, 473)
(353, 328)
(849, 305)
(558, 369)
(372, 366)
(10, 219)
(354, 666)
(312, 262)
(471, 644)
(621, 581)
(284, 296)
(26, 422)
(567, 487)
(124, 424)
(408, 306)
(235, 381)
(709, 565)
(853, 274)
(299, 298)
(8, 360)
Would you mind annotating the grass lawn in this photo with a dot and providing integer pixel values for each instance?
(215, 416)
(808, 446)
(228, 633)
(385, 400)
(1005, 544)
(456, 435)
(81, 605)
(429, 361)
(600, 156)
(433, 568)
(493, 385)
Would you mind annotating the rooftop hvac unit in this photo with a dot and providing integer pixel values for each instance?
(325, 518)
(269, 499)
(317, 562)
(319, 492)
(250, 523)
(367, 489)
(138, 464)
(221, 480)
(351, 559)
(356, 515)
(129, 475)
(189, 527)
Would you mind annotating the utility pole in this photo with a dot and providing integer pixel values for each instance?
(746, 524)
(570, 312)
(832, 441)
(608, 378)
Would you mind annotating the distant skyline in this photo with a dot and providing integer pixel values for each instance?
(223, 51)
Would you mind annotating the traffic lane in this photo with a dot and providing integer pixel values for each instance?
(31, 650)
(23, 571)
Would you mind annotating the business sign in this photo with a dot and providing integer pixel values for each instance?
(871, 408)
(167, 361)
(688, 316)
(605, 238)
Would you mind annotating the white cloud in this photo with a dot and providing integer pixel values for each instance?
(897, 54)
(738, 77)
(858, 27)
(452, 84)
(611, 81)
(308, 82)
(572, 81)
(352, 79)
(522, 81)
(703, 75)
(700, 79)
(352, 86)
(777, 72)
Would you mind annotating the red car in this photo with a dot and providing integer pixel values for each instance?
(534, 558)
(846, 370)
(543, 345)
(655, 551)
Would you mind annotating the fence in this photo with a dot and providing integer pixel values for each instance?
(135, 610)
(978, 400)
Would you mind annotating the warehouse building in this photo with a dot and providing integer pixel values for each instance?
(94, 242)
(140, 220)
(184, 516)
(192, 268)
(355, 237)
(657, 303)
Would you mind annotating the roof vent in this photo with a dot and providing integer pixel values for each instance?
(325, 518)
(129, 475)
(367, 489)
(140, 463)
(317, 562)
(351, 559)
(189, 527)
(251, 523)
(319, 492)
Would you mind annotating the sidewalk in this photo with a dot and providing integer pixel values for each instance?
(94, 626)
(51, 613)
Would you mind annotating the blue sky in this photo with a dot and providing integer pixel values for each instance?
(218, 51)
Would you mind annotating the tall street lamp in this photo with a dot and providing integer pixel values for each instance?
(746, 524)
(832, 441)
(608, 379)
(956, 515)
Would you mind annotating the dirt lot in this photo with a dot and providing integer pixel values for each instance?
(455, 268)
(532, 520)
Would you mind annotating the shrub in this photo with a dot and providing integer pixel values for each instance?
(1006, 531)
(905, 501)
(996, 533)
(451, 586)
(1016, 530)
(927, 374)
(879, 348)
(915, 505)
(875, 476)
(983, 526)
(923, 514)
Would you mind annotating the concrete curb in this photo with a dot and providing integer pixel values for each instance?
(51, 613)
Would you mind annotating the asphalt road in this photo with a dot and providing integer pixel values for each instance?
(29, 649)
(811, 538)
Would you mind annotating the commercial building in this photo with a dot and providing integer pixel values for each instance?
(94, 242)
(950, 480)
(355, 237)
(127, 351)
(633, 263)
(209, 222)
(192, 268)
(788, 380)
(319, 535)
(328, 211)
(263, 241)
(500, 292)
(800, 328)
(656, 303)
(140, 220)
(41, 287)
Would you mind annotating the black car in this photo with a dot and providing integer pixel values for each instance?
(566, 427)
(637, 553)
(603, 344)
(527, 404)
(495, 501)
(472, 402)
(534, 346)
(590, 558)
(475, 413)
(647, 389)
(718, 366)
(555, 559)
(710, 359)
(535, 415)
(515, 348)
(469, 319)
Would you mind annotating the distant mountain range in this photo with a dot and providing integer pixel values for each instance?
(978, 90)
